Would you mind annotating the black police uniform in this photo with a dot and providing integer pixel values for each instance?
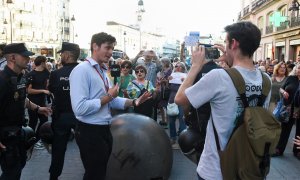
(63, 118)
(12, 101)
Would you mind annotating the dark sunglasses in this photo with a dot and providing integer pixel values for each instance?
(126, 67)
(177, 66)
(139, 71)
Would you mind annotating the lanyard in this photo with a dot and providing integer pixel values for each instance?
(104, 82)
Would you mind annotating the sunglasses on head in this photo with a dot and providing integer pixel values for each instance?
(139, 71)
(125, 67)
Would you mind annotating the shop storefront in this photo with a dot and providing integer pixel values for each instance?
(294, 49)
(269, 51)
(280, 50)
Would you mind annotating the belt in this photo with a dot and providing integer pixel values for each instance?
(82, 124)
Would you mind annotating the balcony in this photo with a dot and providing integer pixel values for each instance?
(269, 29)
(246, 10)
(255, 5)
(283, 26)
(295, 21)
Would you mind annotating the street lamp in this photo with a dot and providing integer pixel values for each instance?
(5, 32)
(10, 18)
(295, 7)
(140, 12)
(124, 41)
(73, 32)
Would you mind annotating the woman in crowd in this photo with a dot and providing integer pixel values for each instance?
(163, 85)
(125, 78)
(123, 82)
(279, 75)
(288, 91)
(137, 87)
(175, 80)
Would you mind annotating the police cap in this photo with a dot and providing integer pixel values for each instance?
(66, 46)
(18, 48)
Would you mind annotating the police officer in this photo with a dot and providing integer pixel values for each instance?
(12, 102)
(63, 116)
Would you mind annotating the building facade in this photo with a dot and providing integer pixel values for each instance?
(42, 24)
(131, 40)
(279, 25)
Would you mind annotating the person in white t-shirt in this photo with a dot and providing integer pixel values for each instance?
(216, 87)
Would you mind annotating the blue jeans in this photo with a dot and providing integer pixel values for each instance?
(172, 120)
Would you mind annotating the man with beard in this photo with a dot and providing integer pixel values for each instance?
(63, 119)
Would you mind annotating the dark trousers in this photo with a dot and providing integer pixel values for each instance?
(95, 146)
(13, 160)
(61, 132)
(285, 134)
(33, 120)
(200, 178)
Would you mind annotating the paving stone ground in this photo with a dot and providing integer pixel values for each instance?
(286, 167)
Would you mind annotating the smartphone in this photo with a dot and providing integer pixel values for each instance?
(211, 53)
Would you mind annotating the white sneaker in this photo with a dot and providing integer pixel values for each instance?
(175, 146)
(39, 145)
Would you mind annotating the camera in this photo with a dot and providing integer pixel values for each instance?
(115, 70)
(211, 53)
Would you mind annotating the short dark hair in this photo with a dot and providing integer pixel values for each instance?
(101, 38)
(140, 67)
(75, 55)
(126, 62)
(247, 34)
(39, 60)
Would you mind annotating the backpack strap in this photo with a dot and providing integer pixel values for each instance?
(136, 85)
(239, 84)
(266, 87)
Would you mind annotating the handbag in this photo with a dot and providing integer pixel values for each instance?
(282, 112)
(172, 109)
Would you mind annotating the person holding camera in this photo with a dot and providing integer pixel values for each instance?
(63, 118)
(125, 78)
(13, 101)
(242, 40)
(92, 98)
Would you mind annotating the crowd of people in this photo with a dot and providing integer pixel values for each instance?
(83, 97)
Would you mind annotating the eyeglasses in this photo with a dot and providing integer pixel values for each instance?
(177, 66)
(126, 67)
(139, 71)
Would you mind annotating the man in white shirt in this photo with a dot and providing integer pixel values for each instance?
(92, 97)
(216, 87)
